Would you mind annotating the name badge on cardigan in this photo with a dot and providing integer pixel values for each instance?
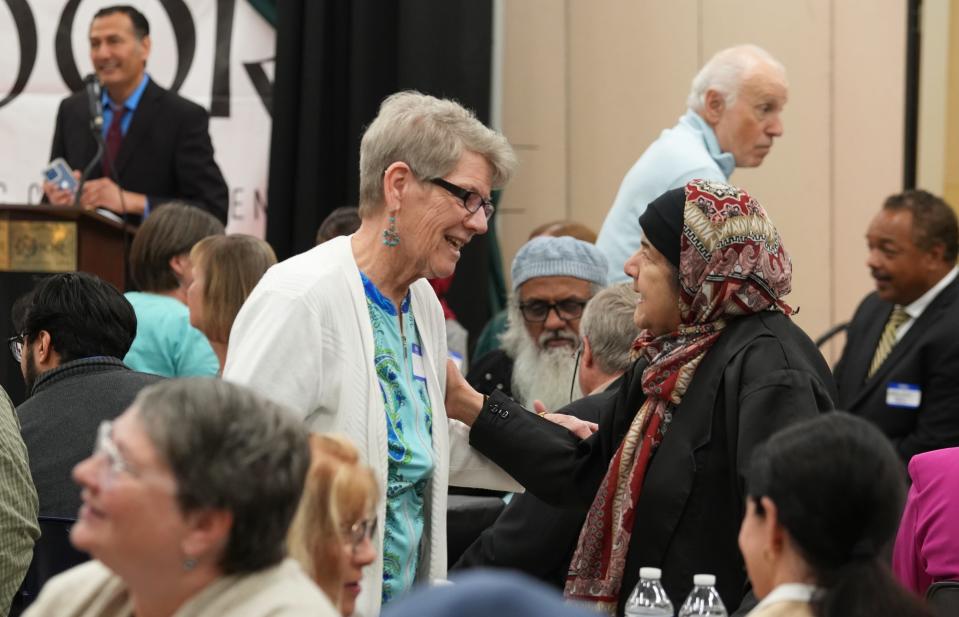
(903, 395)
(419, 370)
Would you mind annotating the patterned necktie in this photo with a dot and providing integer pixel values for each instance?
(114, 139)
(887, 341)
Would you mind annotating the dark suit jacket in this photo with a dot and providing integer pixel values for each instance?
(530, 535)
(493, 371)
(761, 375)
(166, 153)
(927, 357)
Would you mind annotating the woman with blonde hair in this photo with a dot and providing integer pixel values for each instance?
(331, 533)
(225, 271)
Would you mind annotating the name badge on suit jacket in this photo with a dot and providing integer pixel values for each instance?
(903, 395)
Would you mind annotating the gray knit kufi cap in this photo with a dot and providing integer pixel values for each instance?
(563, 256)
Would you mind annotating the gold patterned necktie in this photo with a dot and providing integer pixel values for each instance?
(887, 341)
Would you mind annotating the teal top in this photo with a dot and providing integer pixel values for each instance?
(409, 427)
(166, 344)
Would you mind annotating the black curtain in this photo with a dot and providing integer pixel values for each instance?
(335, 62)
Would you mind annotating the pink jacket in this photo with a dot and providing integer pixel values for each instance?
(927, 546)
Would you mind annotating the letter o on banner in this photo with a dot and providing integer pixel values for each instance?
(27, 29)
(184, 31)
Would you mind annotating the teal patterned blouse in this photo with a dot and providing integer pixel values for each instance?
(409, 426)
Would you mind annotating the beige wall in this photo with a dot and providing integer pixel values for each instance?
(951, 174)
(588, 85)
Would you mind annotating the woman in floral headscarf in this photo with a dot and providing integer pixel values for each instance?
(720, 367)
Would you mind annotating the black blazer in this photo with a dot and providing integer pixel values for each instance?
(927, 357)
(530, 535)
(166, 154)
(761, 375)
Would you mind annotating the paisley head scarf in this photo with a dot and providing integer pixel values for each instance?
(731, 263)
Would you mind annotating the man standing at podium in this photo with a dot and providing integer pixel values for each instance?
(157, 143)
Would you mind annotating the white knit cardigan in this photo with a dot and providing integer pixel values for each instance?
(304, 339)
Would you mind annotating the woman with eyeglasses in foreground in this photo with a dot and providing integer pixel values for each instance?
(186, 503)
(822, 508)
(331, 533)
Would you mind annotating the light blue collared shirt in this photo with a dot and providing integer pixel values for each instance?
(130, 105)
(688, 151)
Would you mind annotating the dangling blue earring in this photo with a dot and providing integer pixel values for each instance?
(390, 236)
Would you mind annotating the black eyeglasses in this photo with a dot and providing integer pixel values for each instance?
(537, 311)
(471, 201)
(16, 346)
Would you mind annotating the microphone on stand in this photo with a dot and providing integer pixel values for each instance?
(92, 86)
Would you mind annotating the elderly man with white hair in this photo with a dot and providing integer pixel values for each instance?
(553, 279)
(733, 116)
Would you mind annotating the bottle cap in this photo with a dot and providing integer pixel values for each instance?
(650, 574)
(704, 580)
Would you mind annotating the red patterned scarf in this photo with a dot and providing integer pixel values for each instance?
(731, 263)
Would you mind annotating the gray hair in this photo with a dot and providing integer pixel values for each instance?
(233, 450)
(608, 323)
(430, 135)
(725, 71)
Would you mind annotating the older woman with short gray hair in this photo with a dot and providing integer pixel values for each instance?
(351, 336)
(186, 502)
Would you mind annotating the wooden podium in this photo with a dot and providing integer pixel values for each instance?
(44, 239)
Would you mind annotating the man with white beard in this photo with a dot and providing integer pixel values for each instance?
(553, 279)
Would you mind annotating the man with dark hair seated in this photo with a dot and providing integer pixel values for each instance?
(73, 330)
(899, 366)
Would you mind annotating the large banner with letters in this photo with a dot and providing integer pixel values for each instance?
(218, 53)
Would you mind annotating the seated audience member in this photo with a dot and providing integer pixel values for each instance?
(489, 338)
(824, 497)
(74, 328)
(608, 331)
(901, 359)
(530, 535)
(18, 505)
(225, 271)
(166, 344)
(720, 368)
(331, 533)
(553, 279)
(927, 547)
(486, 594)
(341, 222)
(186, 502)
(351, 336)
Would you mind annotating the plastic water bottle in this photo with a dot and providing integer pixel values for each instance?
(703, 600)
(649, 599)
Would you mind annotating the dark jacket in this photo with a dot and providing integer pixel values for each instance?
(59, 423)
(492, 372)
(166, 154)
(927, 357)
(761, 375)
(530, 535)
